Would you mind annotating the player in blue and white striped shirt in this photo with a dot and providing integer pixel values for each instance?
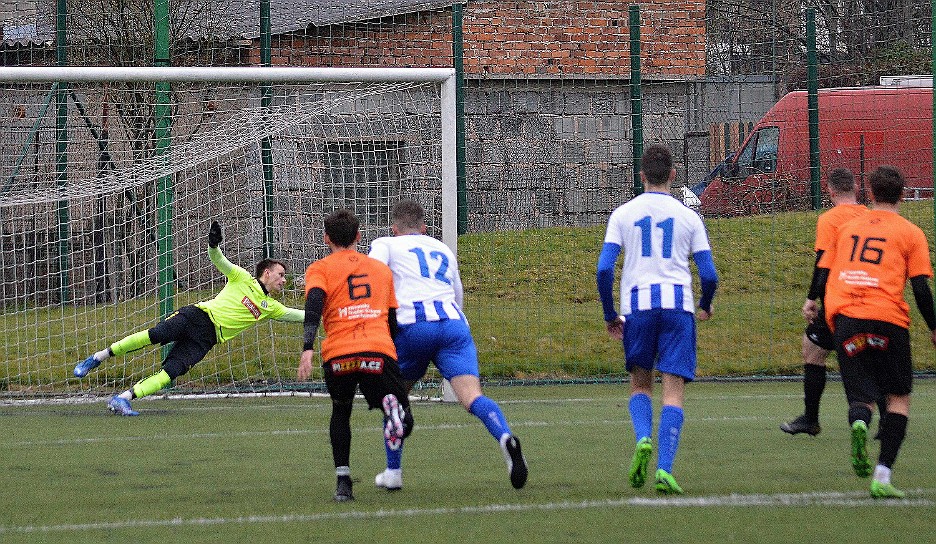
(433, 328)
(656, 323)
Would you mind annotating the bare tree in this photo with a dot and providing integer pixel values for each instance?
(857, 40)
(122, 33)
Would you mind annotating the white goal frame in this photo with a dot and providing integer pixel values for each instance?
(261, 75)
(270, 74)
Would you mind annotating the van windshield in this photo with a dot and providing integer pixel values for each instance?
(760, 153)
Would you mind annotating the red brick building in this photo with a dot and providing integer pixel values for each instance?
(511, 39)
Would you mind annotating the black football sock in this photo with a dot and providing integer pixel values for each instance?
(814, 382)
(893, 431)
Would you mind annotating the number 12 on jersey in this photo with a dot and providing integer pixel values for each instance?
(439, 256)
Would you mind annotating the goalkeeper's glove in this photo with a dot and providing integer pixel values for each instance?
(214, 235)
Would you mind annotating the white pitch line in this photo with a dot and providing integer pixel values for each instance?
(289, 432)
(470, 423)
(850, 499)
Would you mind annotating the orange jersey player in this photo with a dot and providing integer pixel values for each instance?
(352, 295)
(867, 270)
(817, 340)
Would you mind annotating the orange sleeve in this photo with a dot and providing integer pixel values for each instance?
(828, 257)
(315, 277)
(918, 261)
(825, 232)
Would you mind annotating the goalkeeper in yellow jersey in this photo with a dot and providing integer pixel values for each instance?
(244, 301)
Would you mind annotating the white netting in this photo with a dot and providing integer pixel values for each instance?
(103, 227)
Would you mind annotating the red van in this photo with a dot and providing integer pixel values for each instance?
(859, 129)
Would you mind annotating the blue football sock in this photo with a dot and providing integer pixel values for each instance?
(490, 414)
(671, 420)
(641, 413)
(394, 457)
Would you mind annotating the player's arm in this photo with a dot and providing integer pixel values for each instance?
(924, 300)
(292, 315)
(214, 251)
(314, 304)
(819, 277)
(604, 277)
(392, 322)
(816, 289)
(708, 278)
(458, 288)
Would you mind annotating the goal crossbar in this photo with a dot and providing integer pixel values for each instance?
(227, 74)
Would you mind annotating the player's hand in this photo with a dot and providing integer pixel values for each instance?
(810, 310)
(305, 366)
(703, 315)
(616, 328)
(214, 235)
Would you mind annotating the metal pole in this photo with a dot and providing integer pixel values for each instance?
(61, 153)
(266, 144)
(164, 186)
(458, 54)
(636, 102)
(815, 190)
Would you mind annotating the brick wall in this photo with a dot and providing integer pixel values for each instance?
(584, 38)
(515, 39)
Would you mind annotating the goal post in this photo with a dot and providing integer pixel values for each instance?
(103, 223)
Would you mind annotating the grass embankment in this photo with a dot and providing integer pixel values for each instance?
(533, 305)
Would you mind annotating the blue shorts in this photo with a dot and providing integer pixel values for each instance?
(447, 343)
(661, 337)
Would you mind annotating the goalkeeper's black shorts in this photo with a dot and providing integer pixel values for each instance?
(193, 334)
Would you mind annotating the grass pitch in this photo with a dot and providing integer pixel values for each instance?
(259, 470)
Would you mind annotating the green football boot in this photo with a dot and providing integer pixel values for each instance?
(859, 449)
(666, 484)
(885, 491)
(638, 468)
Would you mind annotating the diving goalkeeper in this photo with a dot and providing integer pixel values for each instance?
(244, 301)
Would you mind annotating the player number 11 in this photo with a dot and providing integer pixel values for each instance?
(645, 236)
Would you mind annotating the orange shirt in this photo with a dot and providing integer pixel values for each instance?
(358, 295)
(829, 222)
(876, 253)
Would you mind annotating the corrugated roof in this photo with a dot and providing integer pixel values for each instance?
(291, 15)
(241, 19)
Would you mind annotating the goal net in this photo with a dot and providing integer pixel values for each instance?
(109, 182)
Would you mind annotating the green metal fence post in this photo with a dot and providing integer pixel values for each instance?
(164, 186)
(458, 54)
(266, 144)
(636, 101)
(812, 86)
(61, 154)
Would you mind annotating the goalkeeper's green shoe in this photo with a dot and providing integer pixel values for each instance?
(859, 449)
(638, 468)
(885, 491)
(666, 484)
